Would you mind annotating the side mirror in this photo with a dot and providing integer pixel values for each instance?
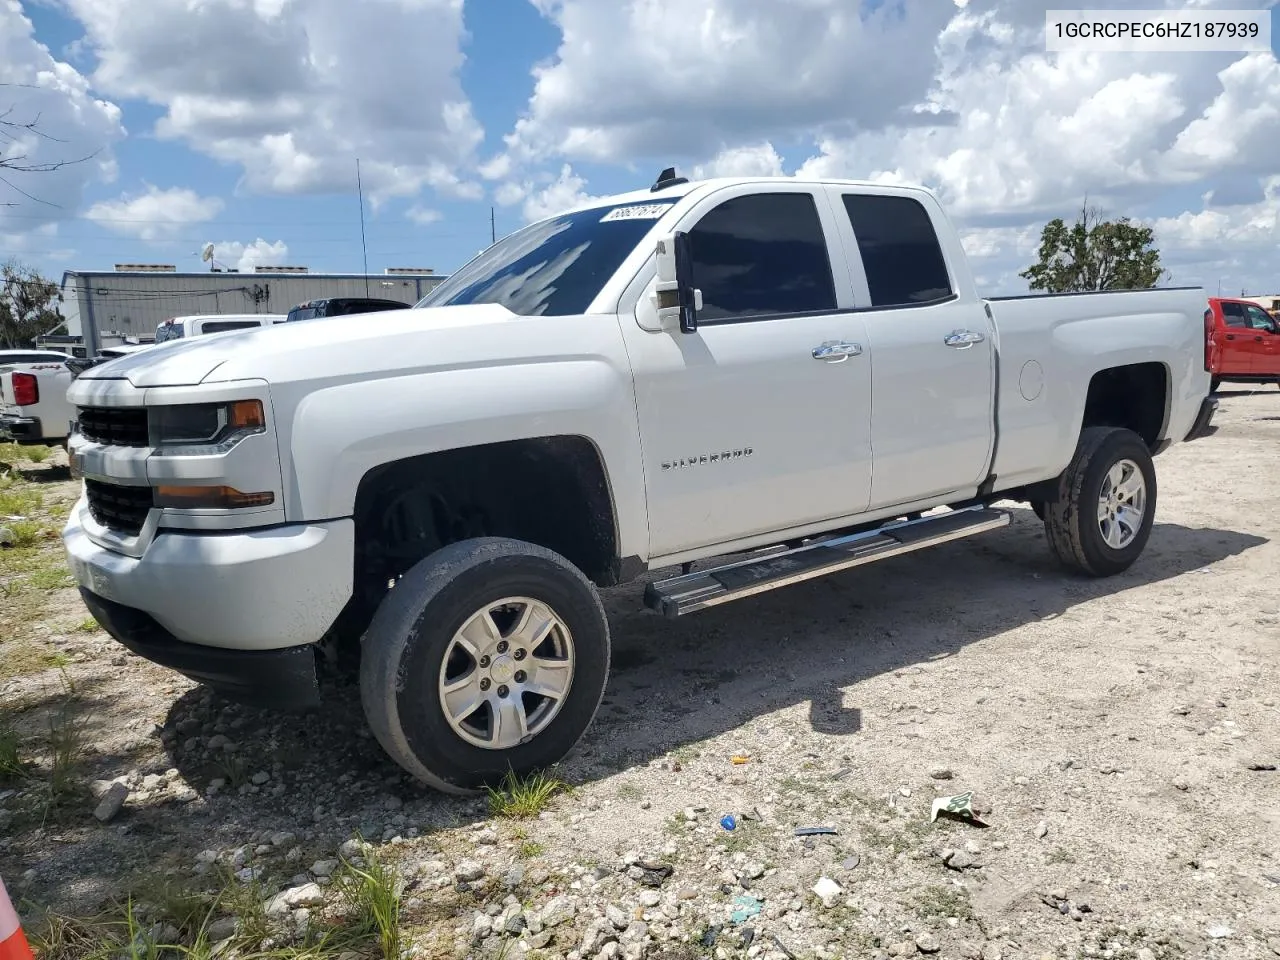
(675, 297)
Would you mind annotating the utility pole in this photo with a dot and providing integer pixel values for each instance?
(493, 230)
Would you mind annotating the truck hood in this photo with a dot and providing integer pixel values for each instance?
(281, 351)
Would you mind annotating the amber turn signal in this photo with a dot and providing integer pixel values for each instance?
(246, 415)
(217, 498)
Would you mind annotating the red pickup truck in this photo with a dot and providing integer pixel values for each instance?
(1243, 342)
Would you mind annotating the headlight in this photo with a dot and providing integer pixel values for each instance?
(204, 429)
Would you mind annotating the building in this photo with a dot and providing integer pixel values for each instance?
(1267, 301)
(134, 299)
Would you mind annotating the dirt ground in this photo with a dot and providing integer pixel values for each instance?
(1120, 735)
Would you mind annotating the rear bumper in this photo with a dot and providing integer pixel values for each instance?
(283, 679)
(1204, 419)
(21, 429)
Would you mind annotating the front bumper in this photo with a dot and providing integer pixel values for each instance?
(21, 429)
(1204, 419)
(250, 590)
(281, 679)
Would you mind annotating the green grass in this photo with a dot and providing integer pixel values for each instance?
(12, 766)
(522, 797)
(26, 533)
(943, 902)
(51, 578)
(68, 739)
(18, 499)
(373, 893)
(88, 626)
(529, 849)
(38, 454)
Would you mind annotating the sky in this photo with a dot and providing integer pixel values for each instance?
(175, 123)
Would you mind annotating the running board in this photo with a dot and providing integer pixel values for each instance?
(732, 581)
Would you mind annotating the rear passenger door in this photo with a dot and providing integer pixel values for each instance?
(1265, 348)
(932, 369)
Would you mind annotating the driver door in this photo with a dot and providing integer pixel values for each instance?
(758, 421)
(1264, 355)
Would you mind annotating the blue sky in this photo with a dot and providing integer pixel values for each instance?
(238, 122)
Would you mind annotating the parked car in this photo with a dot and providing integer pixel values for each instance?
(797, 370)
(342, 307)
(1245, 342)
(176, 328)
(33, 396)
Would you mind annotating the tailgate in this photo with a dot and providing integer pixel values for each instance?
(6, 387)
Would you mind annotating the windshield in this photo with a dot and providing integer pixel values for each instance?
(168, 331)
(300, 313)
(553, 268)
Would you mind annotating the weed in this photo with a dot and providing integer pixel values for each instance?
(38, 454)
(943, 902)
(629, 791)
(522, 797)
(88, 626)
(529, 849)
(17, 498)
(57, 659)
(12, 766)
(51, 578)
(234, 771)
(67, 750)
(373, 894)
(26, 533)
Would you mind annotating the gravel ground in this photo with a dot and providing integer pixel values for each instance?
(1109, 730)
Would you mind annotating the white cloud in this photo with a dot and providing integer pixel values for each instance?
(245, 256)
(757, 160)
(74, 134)
(295, 91)
(959, 96)
(423, 215)
(155, 214)
(545, 196)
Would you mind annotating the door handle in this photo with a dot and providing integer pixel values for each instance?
(1257, 339)
(962, 339)
(1231, 336)
(837, 351)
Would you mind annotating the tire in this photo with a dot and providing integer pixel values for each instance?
(403, 662)
(1214, 384)
(1072, 524)
(1037, 507)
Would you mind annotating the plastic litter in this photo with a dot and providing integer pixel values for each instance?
(746, 908)
(738, 760)
(960, 804)
(826, 887)
(729, 822)
(815, 831)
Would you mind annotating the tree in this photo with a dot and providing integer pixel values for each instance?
(28, 306)
(1095, 254)
(15, 131)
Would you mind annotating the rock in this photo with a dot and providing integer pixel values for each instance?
(992, 951)
(152, 781)
(485, 837)
(850, 862)
(513, 877)
(556, 912)
(752, 871)
(351, 849)
(970, 951)
(1146, 953)
(826, 888)
(1042, 830)
(286, 901)
(645, 804)
(282, 838)
(514, 925)
(324, 868)
(99, 788)
(927, 943)
(649, 898)
(1219, 932)
(219, 742)
(941, 773)
(224, 928)
(112, 802)
(616, 916)
(1058, 896)
(1075, 914)
(468, 871)
(959, 860)
(7, 539)
(609, 951)
(1180, 784)
(481, 927)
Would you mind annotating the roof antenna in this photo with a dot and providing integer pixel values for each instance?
(667, 178)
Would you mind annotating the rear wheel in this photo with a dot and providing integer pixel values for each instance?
(1214, 384)
(489, 655)
(1106, 503)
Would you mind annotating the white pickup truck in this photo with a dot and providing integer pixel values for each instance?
(33, 403)
(783, 377)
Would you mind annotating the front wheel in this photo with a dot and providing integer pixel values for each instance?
(491, 655)
(1106, 503)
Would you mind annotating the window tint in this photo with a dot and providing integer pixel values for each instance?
(301, 313)
(552, 268)
(169, 331)
(1233, 313)
(221, 326)
(899, 249)
(762, 254)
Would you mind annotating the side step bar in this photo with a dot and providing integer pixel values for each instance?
(732, 581)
